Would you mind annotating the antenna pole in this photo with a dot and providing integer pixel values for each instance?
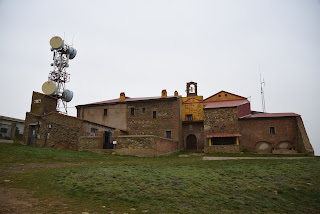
(262, 84)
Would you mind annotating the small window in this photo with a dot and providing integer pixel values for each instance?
(4, 130)
(225, 95)
(154, 114)
(94, 131)
(190, 127)
(143, 110)
(219, 95)
(132, 111)
(105, 112)
(189, 117)
(272, 130)
(168, 134)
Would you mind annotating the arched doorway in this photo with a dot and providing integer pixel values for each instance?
(191, 143)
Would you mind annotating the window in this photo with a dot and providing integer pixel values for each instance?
(143, 110)
(189, 117)
(94, 131)
(4, 130)
(105, 112)
(219, 95)
(272, 130)
(225, 95)
(168, 134)
(132, 111)
(190, 127)
(154, 114)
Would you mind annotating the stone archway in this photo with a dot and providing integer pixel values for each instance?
(191, 142)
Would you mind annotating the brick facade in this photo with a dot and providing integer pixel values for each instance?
(254, 130)
(195, 129)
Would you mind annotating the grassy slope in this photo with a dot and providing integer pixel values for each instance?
(165, 184)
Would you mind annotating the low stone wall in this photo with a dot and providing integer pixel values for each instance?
(222, 149)
(145, 145)
(90, 143)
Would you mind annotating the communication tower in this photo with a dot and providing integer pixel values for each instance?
(58, 77)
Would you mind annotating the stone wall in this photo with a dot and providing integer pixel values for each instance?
(61, 131)
(168, 118)
(222, 149)
(195, 129)
(254, 130)
(221, 120)
(145, 145)
(51, 133)
(89, 143)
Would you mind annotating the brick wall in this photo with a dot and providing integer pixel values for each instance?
(254, 130)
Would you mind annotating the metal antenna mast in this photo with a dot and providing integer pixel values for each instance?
(262, 84)
(58, 77)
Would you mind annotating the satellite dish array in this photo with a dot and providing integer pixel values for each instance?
(55, 86)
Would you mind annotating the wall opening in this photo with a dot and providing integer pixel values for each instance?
(191, 142)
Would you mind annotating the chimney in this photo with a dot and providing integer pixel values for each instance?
(176, 93)
(164, 93)
(122, 96)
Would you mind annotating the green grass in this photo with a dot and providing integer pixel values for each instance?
(171, 184)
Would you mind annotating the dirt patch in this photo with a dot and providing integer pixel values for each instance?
(33, 166)
(16, 201)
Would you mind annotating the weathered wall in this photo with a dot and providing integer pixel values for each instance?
(165, 146)
(137, 145)
(192, 106)
(116, 117)
(303, 143)
(88, 143)
(168, 118)
(61, 131)
(221, 120)
(195, 129)
(145, 145)
(222, 149)
(42, 104)
(58, 136)
(254, 130)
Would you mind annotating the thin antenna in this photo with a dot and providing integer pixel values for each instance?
(262, 84)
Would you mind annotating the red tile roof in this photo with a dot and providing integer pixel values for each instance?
(265, 115)
(128, 99)
(223, 104)
(223, 135)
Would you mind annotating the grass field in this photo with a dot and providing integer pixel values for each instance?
(42, 180)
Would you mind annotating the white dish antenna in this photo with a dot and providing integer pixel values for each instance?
(49, 88)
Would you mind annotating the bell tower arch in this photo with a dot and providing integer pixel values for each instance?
(192, 89)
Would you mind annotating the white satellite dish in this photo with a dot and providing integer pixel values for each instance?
(49, 88)
(56, 42)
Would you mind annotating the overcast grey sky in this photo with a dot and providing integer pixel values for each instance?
(142, 47)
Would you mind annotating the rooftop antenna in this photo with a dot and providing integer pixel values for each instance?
(262, 84)
(58, 77)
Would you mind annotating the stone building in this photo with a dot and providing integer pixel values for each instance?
(152, 126)
(222, 122)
